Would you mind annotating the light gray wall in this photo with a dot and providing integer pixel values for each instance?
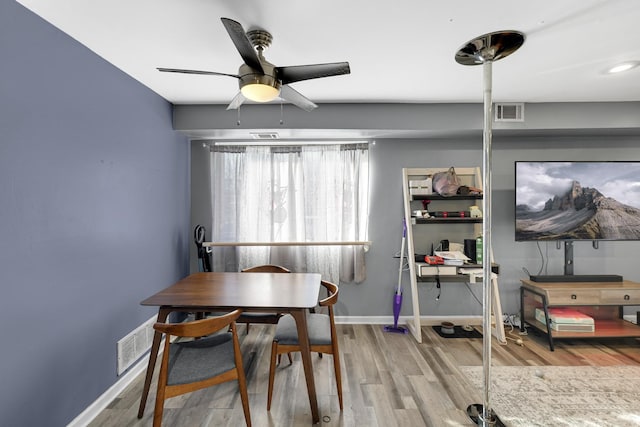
(94, 217)
(389, 156)
(384, 121)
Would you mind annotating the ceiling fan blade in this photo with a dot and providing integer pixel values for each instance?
(212, 73)
(242, 43)
(236, 102)
(296, 98)
(297, 73)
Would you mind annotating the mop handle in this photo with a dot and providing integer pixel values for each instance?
(404, 236)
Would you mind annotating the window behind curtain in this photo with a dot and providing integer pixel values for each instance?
(291, 194)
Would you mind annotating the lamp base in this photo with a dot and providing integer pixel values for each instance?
(475, 414)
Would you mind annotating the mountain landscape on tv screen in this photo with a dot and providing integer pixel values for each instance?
(579, 214)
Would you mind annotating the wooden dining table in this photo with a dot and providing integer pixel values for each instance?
(292, 293)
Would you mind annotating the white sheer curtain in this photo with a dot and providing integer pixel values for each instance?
(291, 194)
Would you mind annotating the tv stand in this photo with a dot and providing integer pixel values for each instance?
(603, 301)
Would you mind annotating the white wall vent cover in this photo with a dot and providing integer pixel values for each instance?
(509, 112)
(265, 135)
(135, 344)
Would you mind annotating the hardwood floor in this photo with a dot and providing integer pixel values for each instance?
(388, 380)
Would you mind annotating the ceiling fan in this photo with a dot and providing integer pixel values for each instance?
(261, 81)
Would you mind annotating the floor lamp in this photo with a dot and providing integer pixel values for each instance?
(485, 50)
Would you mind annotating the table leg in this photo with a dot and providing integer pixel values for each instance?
(548, 322)
(163, 313)
(305, 350)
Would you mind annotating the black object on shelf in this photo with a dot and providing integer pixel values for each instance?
(451, 214)
(452, 197)
(441, 220)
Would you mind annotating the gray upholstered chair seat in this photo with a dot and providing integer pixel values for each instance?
(200, 359)
(323, 338)
(318, 325)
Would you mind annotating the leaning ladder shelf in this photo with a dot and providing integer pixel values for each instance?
(470, 177)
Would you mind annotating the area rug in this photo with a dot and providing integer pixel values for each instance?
(560, 396)
(458, 332)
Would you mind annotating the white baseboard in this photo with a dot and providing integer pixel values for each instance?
(108, 396)
(402, 320)
(370, 320)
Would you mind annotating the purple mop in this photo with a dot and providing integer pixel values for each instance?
(397, 300)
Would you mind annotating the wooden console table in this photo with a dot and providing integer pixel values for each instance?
(601, 300)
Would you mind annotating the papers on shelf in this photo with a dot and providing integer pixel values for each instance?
(452, 257)
(455, 255)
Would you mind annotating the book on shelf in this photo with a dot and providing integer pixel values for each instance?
(566, 320)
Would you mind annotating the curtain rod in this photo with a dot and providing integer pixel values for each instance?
(346, 243)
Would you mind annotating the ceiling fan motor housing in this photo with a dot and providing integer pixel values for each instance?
(249, 76)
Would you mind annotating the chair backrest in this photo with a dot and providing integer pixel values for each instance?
(200, 363)
(198, 328)
(332, 298)
(266, 268)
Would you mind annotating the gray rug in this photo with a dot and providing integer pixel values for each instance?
(558, 396)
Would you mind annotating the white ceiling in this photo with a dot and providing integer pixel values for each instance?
(400, 51)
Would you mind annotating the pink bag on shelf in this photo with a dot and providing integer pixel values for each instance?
(446, 183)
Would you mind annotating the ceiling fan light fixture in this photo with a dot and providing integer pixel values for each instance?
(259, 92)
(259, 88)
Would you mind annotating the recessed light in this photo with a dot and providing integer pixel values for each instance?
(624, 66)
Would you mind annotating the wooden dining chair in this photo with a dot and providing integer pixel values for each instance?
(322, 337)
(199, 363)
(268, 318)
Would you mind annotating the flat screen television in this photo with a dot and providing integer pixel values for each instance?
(582, 200)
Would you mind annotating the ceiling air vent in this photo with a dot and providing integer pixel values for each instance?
(513, 112)
(265, 135)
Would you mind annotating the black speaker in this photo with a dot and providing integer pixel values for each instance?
(470, 249)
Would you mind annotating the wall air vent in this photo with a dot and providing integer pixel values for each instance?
(509, 112)
(137, 342)
(265, 135)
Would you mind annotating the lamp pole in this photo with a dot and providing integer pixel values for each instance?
(485, 50)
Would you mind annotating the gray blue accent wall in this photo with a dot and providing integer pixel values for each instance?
(94, 217)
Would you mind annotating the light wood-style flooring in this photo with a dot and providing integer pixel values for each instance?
(388, 380)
